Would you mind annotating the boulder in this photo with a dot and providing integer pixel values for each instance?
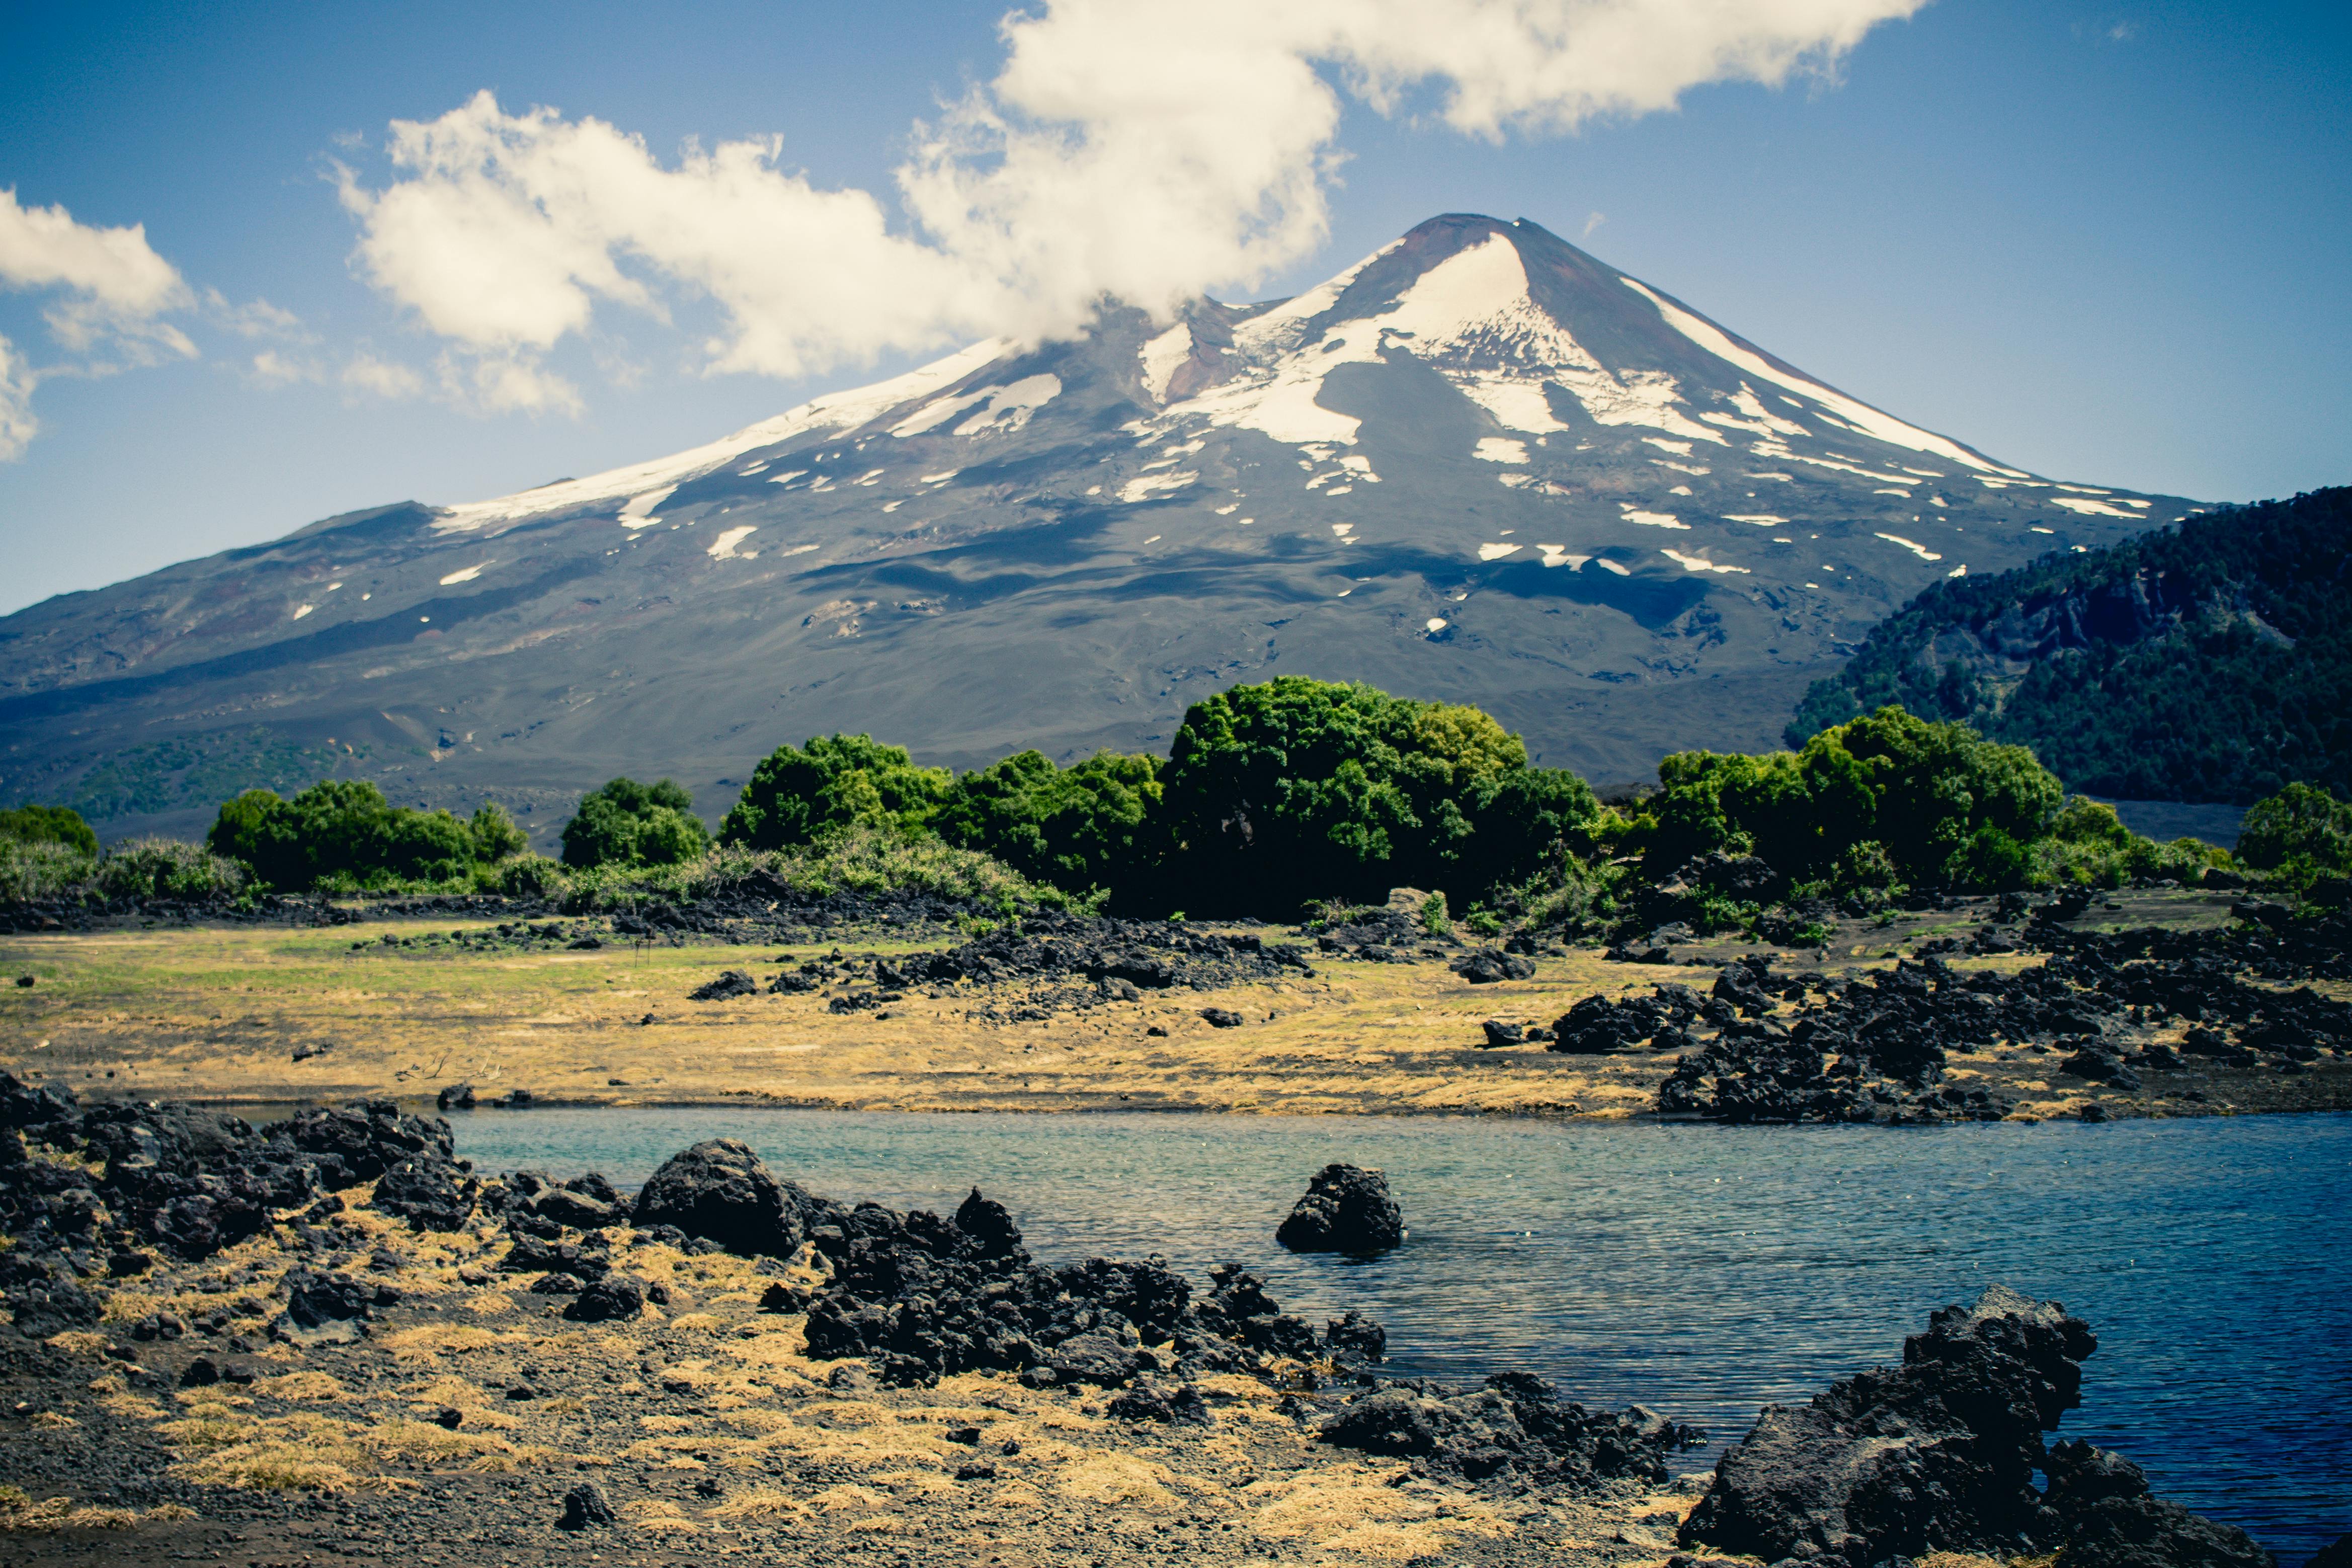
(1515, 1423)
(720, 1190)
(1346, 1209)
(455, 1097)
(615, 1295)
(1356, 1335)
(2110, 1521)
(585, 1508)
(731, 984)
(1487, 967)
(431, 1195)
(1939, 1454)
(1180, 1406)
(1501, 1033)
(1222, 1018)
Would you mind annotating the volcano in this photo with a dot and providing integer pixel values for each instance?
(1479, 465)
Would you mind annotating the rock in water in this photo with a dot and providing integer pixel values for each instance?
(720, 1190)
(585, 1506)
(1346, 1209)
(1939, 1454)
(2111, 1522)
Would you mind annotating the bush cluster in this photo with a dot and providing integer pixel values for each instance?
(1277, 799)
(342, 835)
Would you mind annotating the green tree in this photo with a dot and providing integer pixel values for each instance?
(1089, 826)
(2301, 823)
(49, 825)
(341, 831)
(496, 834)
(798, 794)
(625, 824)
(1937, 802)
(1298, 789)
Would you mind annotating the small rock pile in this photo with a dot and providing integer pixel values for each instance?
(1872, 1050)
(1117, 957)
(1515, 1426)
(1939, 1455)
(189, 1182)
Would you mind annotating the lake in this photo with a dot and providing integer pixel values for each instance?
(1701, 1270)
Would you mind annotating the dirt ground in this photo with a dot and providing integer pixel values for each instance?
(451, 1434)
(221, 1013)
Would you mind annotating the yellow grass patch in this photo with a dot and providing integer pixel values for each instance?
(132, 1407)
(668, 1424)
(506, 1460)
(1115, 1478)
(50, 1418)
(426, 1341)
(19, 1511)
(208, 1430)
(760, 1508)
(694, 1322)
(429, 1440)
(1352, 1512)
(843, 1499)
(77, 1342)
(272, 1466)
(656, 1515)
(304, 1384)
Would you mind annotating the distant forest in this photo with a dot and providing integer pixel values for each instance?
(2207, 663)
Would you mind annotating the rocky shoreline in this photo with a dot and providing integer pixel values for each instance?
(254, 1344)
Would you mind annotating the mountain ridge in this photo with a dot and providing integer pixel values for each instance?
(1480, 465)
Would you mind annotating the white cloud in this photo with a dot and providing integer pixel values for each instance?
(17, 425)
(114, 292)
(1134, 148)
(365, 372)
(42, 247)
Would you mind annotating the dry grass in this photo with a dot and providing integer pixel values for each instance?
(305, 1384)
(77, 1342)
(1115, 1479)
(426, 1341)
(760, 1508)
(19, 1511)
(270, 1466)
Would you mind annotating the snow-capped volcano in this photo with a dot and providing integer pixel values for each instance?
(1479, 465)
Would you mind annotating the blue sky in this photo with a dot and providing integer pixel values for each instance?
(2105, 241)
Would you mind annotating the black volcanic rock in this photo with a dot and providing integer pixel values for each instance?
(1346, 1209)
(1939, 1455)
(720, 1190)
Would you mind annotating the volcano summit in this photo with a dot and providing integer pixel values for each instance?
(1479, 465)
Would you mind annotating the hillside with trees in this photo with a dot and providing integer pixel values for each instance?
(2209, 662)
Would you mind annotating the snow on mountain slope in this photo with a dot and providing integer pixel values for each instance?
(1478, 464)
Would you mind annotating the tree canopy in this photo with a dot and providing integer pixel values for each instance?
(48, 825)
(625, 824)
(1093, 825)
(1298, 789)
(344, 830)
(799, 793)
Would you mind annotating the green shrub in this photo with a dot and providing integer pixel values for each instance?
(41, 869)
(2301, 824)
(626, 823)
(871, 862)
(48, 825)
(342, 835)
(1299, 784)
(1434, 917)
(1089, 826)
(1941, 805)
(799, 794)
(167, 869)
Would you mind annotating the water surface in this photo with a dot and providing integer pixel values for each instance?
(1703, 1271)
